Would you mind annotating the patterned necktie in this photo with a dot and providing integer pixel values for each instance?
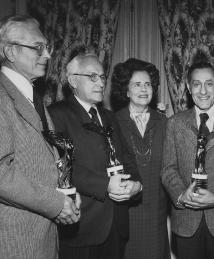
(203, 129)
(94, 117)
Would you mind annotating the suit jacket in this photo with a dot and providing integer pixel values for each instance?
(148, 216)
(28, 178)
(178, 166)
(89, 174)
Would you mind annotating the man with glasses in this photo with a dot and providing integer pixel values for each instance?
(30, 205)
(189, 156)
(103, 228)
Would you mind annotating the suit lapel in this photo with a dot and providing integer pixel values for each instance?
(81, 114)
(129, 123)
(22, 105)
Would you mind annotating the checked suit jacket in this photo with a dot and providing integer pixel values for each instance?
(28, 178)
(178, 165)
(90, 176)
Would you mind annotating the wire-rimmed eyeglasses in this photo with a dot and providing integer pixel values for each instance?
(38, 48)
(93, 77)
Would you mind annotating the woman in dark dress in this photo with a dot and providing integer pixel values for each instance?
(134, 84)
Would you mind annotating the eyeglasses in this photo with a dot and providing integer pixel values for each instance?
(40, 48)
(93, 77)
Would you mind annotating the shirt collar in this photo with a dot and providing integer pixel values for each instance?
(84, 104)
(22, 84)
(210, 113)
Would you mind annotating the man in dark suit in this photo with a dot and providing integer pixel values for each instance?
(103, 228)
(29, 201)
(193, 211)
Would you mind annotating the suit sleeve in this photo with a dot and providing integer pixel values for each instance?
(16, 189)
(171, 178)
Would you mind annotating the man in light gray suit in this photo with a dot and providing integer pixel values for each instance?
(192, 217)
(29, 201)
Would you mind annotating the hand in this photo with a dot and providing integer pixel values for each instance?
(189, 198)
(204, 198)
(116, 191)
(71, 212)
(132, 186)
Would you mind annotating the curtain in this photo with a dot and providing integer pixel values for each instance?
(70, 24)
(187, 30)
(138, 35)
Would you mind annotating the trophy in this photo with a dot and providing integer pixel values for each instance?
(200, 175)
(64, 163)
(114, 167)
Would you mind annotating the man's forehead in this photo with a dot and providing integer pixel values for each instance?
(202, 72)
(30, 33)
(90, 62)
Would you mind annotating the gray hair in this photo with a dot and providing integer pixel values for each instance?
(74, 65)
(10, 30)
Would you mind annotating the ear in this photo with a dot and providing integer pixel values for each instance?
(9, 53)
(127, 94)
(72, 81)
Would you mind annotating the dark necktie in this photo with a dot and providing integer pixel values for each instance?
(203, 129)
(94, 117)
(39, 107)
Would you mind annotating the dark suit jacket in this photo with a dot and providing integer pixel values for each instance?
(89, 175)
(28, 180)
(178, 166)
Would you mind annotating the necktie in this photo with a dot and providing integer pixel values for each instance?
(39, 107)
(94, 117)
(203, 129)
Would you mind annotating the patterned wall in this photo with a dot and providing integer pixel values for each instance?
(187, 30)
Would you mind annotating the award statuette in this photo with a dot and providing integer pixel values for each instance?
(64, 163)
(115, 167)
(200, 175)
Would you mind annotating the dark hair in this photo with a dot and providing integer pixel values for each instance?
(199, 65)
(121, 76)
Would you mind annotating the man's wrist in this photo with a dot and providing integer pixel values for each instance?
(179, 203)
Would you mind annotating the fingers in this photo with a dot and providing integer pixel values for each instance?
(119, 198)
(78, 200)
(70, 213)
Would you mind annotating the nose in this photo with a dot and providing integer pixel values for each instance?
(101, 82)
(46, 54)
(143, 88)
(203, 89)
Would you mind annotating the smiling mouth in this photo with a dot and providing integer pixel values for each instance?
(204, 98)
(142, 96)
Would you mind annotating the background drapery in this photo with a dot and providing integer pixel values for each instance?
(70, 24)
(138, 35)
(187, 29)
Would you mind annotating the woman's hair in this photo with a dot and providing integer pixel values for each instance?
(122, 75)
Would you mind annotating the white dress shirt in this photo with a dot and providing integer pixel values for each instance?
(22, 84)
(210, 121)
(87, 107)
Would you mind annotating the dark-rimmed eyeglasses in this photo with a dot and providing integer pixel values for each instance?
(40, 48)
(93, 77)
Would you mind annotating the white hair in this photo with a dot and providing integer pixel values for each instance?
(10, 30)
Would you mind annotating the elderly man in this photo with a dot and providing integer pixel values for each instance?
(103, 228)
(29, 201)
(193, 210)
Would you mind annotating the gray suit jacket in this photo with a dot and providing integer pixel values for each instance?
(28, 178)
(178, 164)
